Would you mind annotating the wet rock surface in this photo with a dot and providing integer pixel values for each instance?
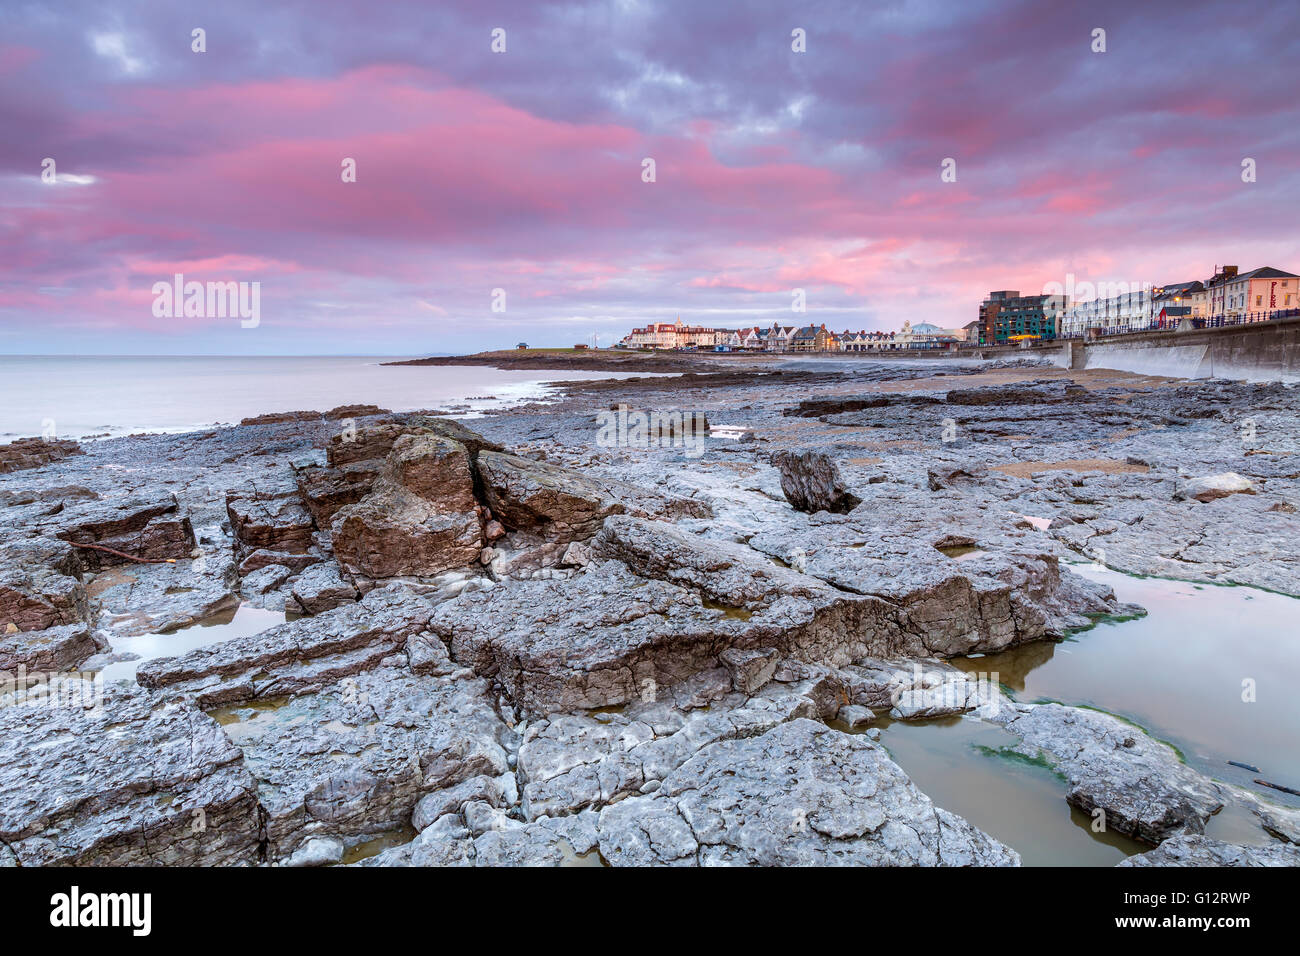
(801, 794)
(142, 779)
(1193, 850)
(1139, 786)
(519, 647)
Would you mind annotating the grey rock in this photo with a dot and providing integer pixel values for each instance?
(321, 588)
(297, 656)
(318, 851)
(41, 585)
(433, 806)
(1213, 487)
(801, 794)
(358, 754)
(53, 649)
(143, 779)
(264, 579)
(1141, 785)
(1194, 849)
(812, 482)
(855, 716)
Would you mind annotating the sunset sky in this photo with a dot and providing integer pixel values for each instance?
(523, 170)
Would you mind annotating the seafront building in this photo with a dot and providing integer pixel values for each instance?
(1228, 296)
(1007, 317)
(1128, 311)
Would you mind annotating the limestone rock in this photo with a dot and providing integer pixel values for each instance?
(321, 588)
(61, 648)
(148, 527)
(421, 517)
(40, 584)
(801, 794)
(811, 481)
(1213, 487)
(357, 755)
(1194, 849)
(143, 779)
(297, 656)
(1144, 789)
(271, 518)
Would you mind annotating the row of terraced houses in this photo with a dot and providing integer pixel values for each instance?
(1228, 297)
(790, 338)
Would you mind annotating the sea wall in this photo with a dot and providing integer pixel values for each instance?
(1262, 352)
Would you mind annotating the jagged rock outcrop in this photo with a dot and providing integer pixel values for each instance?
(41, 584)
(990, 600)
(321, 588)
(605, 636)
(152, 528)
(268, 514)
(420, 518)
(60, 648)
(23, 453)
(812, 482)
(354, 757)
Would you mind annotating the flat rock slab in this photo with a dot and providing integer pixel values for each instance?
(53, 649)
(297, 656)
(564, 504)
(801, 794)
(996, 596)
(354, 758)
(557, 841)
(574, 761)
(1193, 849)
(144, 779)
(609, 637)
(321, 588)
(160, 598)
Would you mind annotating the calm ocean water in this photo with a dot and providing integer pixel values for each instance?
(78, 396)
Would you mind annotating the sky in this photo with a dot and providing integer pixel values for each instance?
(524, 171)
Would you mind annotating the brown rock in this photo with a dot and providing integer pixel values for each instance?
(421, 517)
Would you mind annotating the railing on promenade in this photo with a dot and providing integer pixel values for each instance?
(1172, 324)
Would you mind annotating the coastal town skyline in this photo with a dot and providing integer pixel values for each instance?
(510, 170)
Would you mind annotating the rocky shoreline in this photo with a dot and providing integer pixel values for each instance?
(506, 643)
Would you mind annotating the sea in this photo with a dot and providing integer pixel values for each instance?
(89, 396)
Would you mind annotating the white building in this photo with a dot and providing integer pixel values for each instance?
(1129, 311)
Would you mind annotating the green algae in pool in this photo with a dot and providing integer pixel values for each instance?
(240, 622)
(1183, 673)
(964, 766)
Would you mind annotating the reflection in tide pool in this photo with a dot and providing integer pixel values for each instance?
(964, 765)
(1179, 672)
(240, 622)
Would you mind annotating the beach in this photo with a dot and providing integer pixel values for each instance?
(875, 612)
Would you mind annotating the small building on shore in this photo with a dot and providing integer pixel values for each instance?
(813, 338)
